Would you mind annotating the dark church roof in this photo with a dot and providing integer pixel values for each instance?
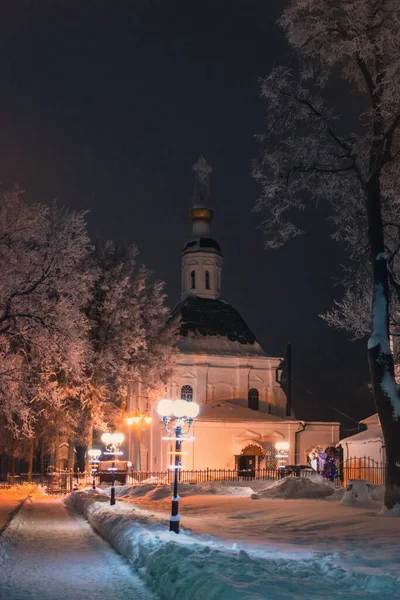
(201, 244)
(207, 318)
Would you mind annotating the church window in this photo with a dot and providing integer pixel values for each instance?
(187, 393)
(193, 280)
(253, 399)
(207, 280)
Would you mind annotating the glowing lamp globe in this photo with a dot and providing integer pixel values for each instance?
(118, 438)
(282, 446)
(106, 438)
(94, 453)
(148, 420)
(164, 408)
(192, 410)
(180, 408)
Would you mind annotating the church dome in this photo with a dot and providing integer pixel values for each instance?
(211, 326)
(201, 213)
(201, 244)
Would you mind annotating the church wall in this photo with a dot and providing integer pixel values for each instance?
(215, 378)
(316, 434)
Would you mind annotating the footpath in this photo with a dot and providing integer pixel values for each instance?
(47, 553)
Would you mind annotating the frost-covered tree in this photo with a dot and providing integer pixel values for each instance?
(128, 333)
(349, 159)
(43, 289)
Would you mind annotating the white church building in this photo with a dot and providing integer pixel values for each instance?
(223, 368)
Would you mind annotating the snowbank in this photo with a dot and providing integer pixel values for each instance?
(358, 493)
(291, 488)
(201, 568)
(159, 492)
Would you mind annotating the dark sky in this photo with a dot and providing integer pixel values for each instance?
(107, 104)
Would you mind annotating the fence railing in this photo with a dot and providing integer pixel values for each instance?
(205, 475)
(64, 481)
(362, 467)
(55, 482)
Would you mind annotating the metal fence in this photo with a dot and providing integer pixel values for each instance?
(204, 475)
(362, 467)
(57, 482)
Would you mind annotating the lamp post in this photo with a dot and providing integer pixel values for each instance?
(139, 419)
(112, 442)
(183, 413)
(94, 459)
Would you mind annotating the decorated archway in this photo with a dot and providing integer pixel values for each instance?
(249, 460)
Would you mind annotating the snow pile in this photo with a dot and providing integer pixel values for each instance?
(358, 493)
(297, 487)
(199, 568)
(160, 492)
(390, 512)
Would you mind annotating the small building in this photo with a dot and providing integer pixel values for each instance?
(368, 443)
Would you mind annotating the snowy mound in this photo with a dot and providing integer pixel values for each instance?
(160, 492)
(296, 487)
(358, 493)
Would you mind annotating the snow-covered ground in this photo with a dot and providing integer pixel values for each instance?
(48, 554)
(282, 547)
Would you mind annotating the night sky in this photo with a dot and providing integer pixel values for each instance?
(106, 105)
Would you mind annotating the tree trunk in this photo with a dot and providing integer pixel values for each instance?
(89, 443)
(42, 458)
(71, 454)
(30, 459)
(57, 450)
(379, 353)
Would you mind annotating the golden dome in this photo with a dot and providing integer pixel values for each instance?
(201, 213)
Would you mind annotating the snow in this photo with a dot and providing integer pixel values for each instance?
(379, 316)
(159, 492)
(48, 554)
(235, 547)
(358, 493)
(297, 487)
(391, 388)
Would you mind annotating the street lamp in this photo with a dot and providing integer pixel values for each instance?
(138, 419)
(184, 413)
(282, 449)
(112, 442)
(94, 454)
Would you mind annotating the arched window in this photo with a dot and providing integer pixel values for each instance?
(207, 280)
(187, 393)
(193, 280)
(253, 399)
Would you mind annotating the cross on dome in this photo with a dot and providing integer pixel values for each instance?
(202, 170)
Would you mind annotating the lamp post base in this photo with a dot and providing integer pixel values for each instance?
(112, 498)
(174, 523)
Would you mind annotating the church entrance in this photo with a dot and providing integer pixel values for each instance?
(249, 460)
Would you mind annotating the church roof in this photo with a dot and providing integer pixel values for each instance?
(201, 244)
(212, 326)
(226, 410)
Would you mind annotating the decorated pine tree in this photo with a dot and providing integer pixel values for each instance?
(330, 470)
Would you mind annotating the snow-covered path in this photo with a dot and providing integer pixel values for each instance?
(48, 554)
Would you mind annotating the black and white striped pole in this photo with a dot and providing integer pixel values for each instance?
(178, 417)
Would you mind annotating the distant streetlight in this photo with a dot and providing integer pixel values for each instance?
(94, 458)
(139, 419)
(282, 449)
(112, 442)
(184, 413)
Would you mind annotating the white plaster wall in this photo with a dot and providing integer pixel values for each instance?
(372, 449)
(216, 378)
(200, 262)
